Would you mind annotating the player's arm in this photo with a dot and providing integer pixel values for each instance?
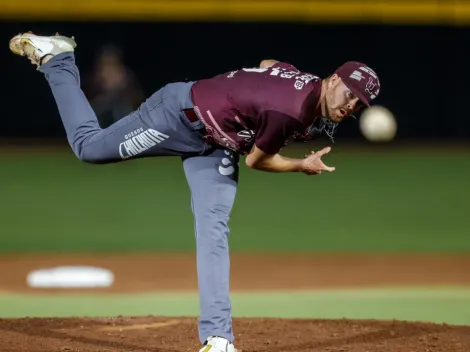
(267, 63)
(311, 165)
(259, 160)
(274, 129)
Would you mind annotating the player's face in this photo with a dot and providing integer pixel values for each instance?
(340, 101)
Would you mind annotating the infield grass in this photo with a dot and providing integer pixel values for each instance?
(439, 305)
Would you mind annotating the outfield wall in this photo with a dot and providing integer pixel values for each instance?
(417, 48)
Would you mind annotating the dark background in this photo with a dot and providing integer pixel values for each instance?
(424, 70)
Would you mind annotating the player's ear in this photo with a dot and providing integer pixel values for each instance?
(333, 80)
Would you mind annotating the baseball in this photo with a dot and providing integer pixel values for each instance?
(378, 124)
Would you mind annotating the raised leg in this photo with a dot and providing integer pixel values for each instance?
(157, 128)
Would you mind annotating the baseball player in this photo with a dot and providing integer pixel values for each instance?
(209, 123)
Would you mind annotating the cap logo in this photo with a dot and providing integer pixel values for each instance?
(370, 87)
(361, 79)
(357, 75)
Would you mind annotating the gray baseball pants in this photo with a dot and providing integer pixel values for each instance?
(160, 128)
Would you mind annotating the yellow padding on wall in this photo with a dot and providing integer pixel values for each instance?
(400, 12)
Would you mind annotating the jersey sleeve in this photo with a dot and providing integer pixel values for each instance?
(274, 130)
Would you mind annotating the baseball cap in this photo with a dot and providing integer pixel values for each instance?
(361, 80)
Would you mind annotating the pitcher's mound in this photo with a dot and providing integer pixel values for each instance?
(140, 334)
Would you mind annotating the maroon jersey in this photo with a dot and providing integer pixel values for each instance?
(262, 106)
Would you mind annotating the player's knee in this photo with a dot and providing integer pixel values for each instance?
(93, 158)
(88, 146)
(88, 159)
(90, 155)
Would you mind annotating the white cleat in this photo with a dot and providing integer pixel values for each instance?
(36, 47)
(218, 344)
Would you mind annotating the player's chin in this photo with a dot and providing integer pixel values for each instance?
(336, 117)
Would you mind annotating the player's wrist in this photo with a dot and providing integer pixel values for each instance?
(297, 165)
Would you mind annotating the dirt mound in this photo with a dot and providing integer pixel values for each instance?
(140, 334)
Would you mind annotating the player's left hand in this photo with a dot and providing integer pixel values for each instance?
(313, 165)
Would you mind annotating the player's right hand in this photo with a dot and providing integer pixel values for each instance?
(313, 165)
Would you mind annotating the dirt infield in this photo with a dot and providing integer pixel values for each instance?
(146, 272)
(177, 272)
(146, 334)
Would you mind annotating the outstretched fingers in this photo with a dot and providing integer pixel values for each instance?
(324, 151)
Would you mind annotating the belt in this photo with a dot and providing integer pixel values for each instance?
(192, 117)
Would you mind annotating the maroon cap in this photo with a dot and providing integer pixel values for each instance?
(361, 80)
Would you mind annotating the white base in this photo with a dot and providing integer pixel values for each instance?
(70, 277)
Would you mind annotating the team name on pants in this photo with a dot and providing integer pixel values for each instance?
(141, 142)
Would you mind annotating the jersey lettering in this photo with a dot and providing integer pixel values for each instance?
(281, 72)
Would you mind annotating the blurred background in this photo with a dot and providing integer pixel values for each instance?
(405, 196)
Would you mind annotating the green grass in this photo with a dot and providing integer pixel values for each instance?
(439, 305)
(382, 200)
